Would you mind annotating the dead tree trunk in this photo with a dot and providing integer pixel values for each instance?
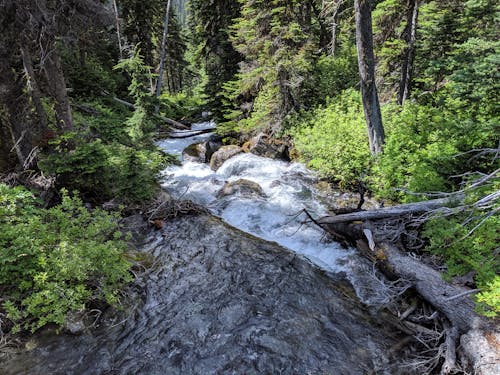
(409, 52)
(163, 50)
(118, 33)
(480, 341)
(366, 62)
(57, 86)
(34, 90)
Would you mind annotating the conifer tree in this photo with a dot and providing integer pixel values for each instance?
(278, 40)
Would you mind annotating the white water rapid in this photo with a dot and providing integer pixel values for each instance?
(288, 188)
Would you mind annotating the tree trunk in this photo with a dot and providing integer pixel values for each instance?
(395, 211)
(34, 90)
(57, 86)
(163, 50)
(118, 33)
(409, 52)
(366, 62)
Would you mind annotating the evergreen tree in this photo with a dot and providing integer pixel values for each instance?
(278, 40)
(214, 55)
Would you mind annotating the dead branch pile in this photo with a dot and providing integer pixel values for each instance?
(444, 318)
(164, 207)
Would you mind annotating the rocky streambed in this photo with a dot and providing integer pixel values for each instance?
(220, 301)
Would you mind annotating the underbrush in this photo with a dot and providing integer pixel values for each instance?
(108, 156)
(57, 260)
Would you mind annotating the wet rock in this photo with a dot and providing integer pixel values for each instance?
(202, 152)
(264, 145)
(241, 187)
(74, 323)
(224, 302)
(195, 152)
(223, 154)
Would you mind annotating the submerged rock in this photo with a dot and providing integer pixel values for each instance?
(242, 187)
(222, 154)
(220, 301)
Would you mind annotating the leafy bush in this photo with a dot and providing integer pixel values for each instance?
(336, 74)
(428, 143)
(57, 260)
(468, 241)
(333, 140)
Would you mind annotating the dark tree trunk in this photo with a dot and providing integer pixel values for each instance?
(366, 62)
(34, 90)
(409, 52)
(57, 87)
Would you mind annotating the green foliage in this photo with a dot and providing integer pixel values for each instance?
(57, 260)
(468, 241)
(279, 47)
(425, 144)
(336, 74)
(333, 140)
(181, 105)
(104, 159)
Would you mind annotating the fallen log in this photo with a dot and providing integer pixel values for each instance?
(167, 120)
(189, 134)
(480, 341)
(394, 211)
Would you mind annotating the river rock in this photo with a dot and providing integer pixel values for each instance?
(195, 152)
(223, 154)
(242, 187)
(266, 146)
(220, 301)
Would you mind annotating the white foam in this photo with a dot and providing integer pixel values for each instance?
(288, 188)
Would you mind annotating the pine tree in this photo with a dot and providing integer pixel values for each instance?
(214, 55)
(278, 40)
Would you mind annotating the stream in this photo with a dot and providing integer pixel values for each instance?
(245, 289)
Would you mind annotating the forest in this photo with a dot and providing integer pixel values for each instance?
(393, 101)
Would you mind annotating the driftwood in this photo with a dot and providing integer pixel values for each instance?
(189, 134)
(395, 211)
(480, 343)
(173, 123)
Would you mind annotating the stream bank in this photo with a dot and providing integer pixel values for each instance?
(218, 300)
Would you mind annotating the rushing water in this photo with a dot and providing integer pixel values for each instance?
(274, 216)
(217, 300)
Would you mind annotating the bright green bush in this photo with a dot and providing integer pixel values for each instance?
(333, 140)
(469, 241)
(56, 260)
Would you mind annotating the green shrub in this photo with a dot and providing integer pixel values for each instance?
(109, 157)
(333, 140)
(57, 260)
(468, 241)
(336, 74)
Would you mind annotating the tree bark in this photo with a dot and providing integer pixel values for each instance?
(409, 52)
(118, 32)
(34, 90)
(163, 50)
(366, 62)
(395, 211)
(57, 86)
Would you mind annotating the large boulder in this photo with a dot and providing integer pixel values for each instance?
(264, 145)
(195, 152)
(222, 154)
(241, 187)
(202, 152)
